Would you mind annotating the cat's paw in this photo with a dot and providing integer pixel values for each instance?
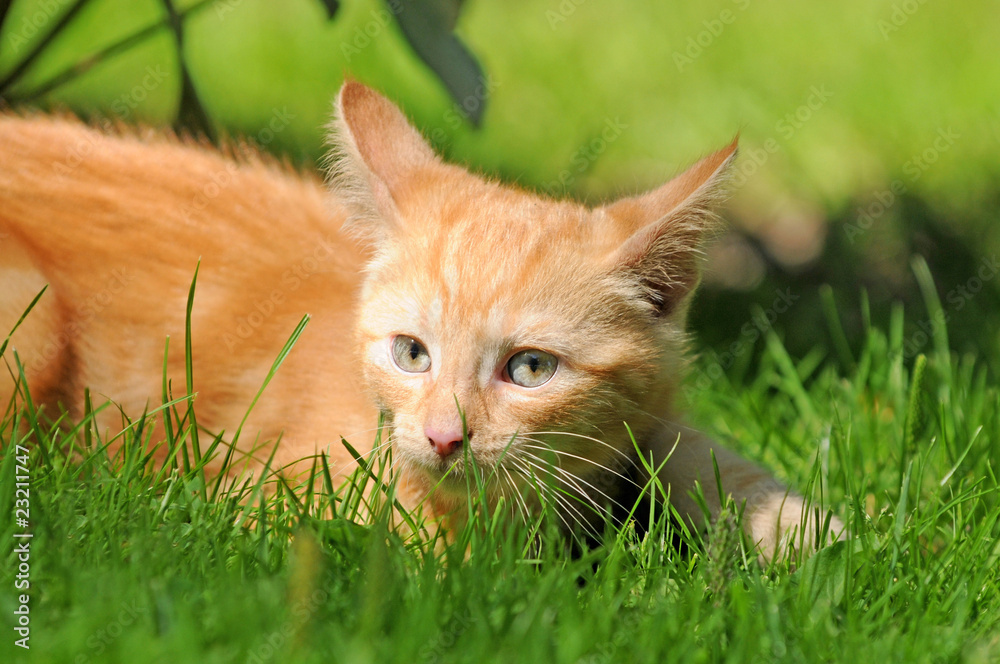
(783, 525)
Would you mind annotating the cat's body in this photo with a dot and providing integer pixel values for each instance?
(117, 224)
(549, 324)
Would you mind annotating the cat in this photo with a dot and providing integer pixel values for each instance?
(487, 324)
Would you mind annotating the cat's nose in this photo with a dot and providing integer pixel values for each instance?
(445, 443)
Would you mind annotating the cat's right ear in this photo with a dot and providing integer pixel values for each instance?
(376, 154)
(667, 227)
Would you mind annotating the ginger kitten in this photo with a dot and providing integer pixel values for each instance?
(461, 309)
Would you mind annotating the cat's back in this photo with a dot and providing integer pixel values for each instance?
(116, 220)
(65, 184)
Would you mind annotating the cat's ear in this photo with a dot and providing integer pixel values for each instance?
(666, 227)
(376, 152)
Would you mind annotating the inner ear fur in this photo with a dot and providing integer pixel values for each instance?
(375, 153)
(665, 229)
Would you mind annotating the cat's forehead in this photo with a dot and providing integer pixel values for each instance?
(483, 252)
(469, 217)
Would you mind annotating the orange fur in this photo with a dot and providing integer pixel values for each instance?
(116, 225)
(475, 271)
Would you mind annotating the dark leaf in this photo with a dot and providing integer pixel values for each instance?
(428, 25)
(448, 9)
(4, 8)
(331, 7)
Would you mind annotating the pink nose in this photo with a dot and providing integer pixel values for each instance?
(445, 442)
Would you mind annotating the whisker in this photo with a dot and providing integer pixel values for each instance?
(579, 435)
(568, 478)
(568, 501)
(672, 424)
(519, 501)
(576, 479)
(386, 428)
(545, 495)
(540, 445)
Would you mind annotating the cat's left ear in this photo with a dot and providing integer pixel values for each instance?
(376, 155)
(666, 228)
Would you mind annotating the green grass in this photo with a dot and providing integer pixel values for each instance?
(134, 564)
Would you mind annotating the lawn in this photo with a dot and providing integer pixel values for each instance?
(128, 564)
(866, 196)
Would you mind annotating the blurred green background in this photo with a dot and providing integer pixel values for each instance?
(870, 130)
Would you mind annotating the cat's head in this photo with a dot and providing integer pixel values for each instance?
(532, 328)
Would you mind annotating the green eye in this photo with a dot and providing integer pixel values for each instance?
(531, 368)
(410, 355)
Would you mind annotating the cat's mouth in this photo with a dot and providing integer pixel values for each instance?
(448, 472)
(451, 475)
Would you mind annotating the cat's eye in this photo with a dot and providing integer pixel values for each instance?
(531, 368)
(410, 355)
